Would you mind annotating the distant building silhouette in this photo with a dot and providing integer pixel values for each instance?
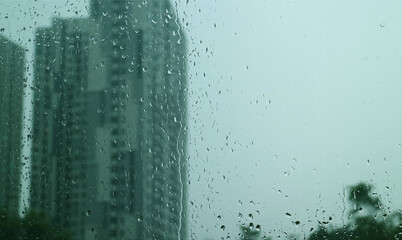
(109, 122)
(11, 104)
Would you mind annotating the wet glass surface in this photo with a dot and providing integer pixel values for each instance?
(190, 119)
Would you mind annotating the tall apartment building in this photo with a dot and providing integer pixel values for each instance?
(109, 131)
(11, 104)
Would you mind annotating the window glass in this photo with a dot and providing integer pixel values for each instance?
(191, 119)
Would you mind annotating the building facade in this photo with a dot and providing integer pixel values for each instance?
(110, 127)
(11, 108)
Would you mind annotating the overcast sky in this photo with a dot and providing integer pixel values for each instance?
(290, 102)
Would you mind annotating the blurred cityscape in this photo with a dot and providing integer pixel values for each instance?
(11, 94)
(109, 130)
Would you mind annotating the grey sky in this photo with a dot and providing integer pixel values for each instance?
(290, 101)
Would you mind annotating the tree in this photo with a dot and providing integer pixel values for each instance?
(249, 232)
(361, 197)
(9, 225)
(368, 219)
(33, 226)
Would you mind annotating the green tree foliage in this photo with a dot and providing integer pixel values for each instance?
(33, 226)
(361, 197)
(368, 219)
(251, 232)
(9, 226)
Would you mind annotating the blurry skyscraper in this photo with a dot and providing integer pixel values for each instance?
(110, 127)
(11, 104)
